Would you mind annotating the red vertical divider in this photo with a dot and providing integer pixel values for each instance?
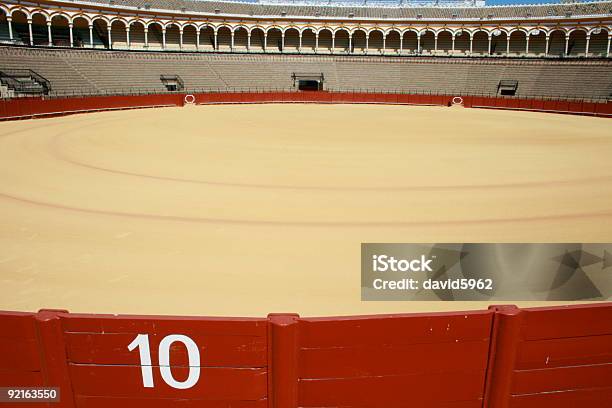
(283, 360)
(505, 336)
(53, 354)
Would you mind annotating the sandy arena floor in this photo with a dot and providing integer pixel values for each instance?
(245, 210)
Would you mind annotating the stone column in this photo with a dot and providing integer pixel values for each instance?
(110, 38)
(282, 41)
(248, 41)
(333, 47)
(490, 38)
(70, 26)
(316, 43)
(367, 48)
(401, 43)
(547, 42)
(384, 49)
(419, 43)
(609, 41)
(300, 43)
(265, 44)
(146, 34)
(30, 31)
(350, 47)
(91, 44)
(435, 43)
(197, 38)
(163, 38)
(127, 36)
(9, 20)
(216, 46)
(49, 39)
(471, 43)
(588, 40)
(566, 44)
(181, 38)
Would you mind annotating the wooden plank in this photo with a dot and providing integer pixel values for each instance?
(422, 404)
(12, 378)
(226, 350)
(393, 360)
(19, 354)
(395, 329)
(562, 379)
(80, 323)
(571, 351)
(569, 321)
(119, 402)
(126, 381)
(17, 325)
(587, 398)
(384, 390)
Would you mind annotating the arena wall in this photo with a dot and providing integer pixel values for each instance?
(23, 108)
(502, 357)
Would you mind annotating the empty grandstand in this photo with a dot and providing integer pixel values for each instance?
(452, 48)
(91, 72)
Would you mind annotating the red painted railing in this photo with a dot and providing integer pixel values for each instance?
(35, 107)
(503, 357)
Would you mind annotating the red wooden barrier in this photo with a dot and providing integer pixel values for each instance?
(20, 363)
(34, 107)
(433, 360)
(504, 357)
(567, 353)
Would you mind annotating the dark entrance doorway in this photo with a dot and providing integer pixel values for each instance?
(308, 81)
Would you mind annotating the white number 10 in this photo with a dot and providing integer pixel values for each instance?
(142, 342)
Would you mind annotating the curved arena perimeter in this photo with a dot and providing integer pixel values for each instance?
(264, 208)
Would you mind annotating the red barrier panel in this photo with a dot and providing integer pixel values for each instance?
(504, 357)
(553, 357)
(20, 363)
(32, 107)
(28, 107)
(432, 360)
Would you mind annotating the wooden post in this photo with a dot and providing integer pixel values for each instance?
(505, 337)
(283, 360)
(54, 361)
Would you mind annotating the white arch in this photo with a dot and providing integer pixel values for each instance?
(603, 28)
(580, 28)
(83, 16)
(172, 23)
(100, 17)
(188, 24)
(273, 27)
(408, 30)
(291, 27)
(390, 30)
(137, 20)
(41, 12)
(308, 27)
(338, 29)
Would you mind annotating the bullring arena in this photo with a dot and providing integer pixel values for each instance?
(167, 159)
(138, 198)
